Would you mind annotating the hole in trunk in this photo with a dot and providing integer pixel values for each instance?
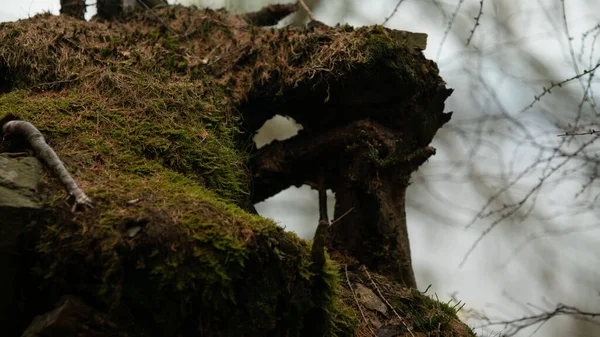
(277, 128)
(296, 209)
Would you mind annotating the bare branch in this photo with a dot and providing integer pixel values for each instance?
(513, 327)
(448, 28)
(553, 85)
(509, 210)
(589, 132)
(477, 18)
(342, 216)
(393, 12)
(307, 10)
(572, 51)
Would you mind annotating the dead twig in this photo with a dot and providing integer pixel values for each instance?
(516, 325)
(476, 22)
(589, 132)
(558, 84)
(393, 12)
(356, 300)
(448, 28)
(307, 10)
(343, 215)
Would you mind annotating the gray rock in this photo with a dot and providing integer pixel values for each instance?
(368, 298)
(19, 178)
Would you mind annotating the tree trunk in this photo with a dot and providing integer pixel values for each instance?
(109, 9)
(74, 8)
(375, 232)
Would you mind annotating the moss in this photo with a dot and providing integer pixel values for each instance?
(194, 251)
(150, 126)
(195, 141)
(340, 320)
(382, 50)
(417, 311)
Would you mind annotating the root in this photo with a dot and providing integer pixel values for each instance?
(47, 155)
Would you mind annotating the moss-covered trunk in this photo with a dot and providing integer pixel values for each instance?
(154, 117)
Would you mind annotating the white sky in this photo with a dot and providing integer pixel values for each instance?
(11, 10)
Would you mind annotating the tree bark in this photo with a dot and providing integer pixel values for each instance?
(368, 167)
(109, 9)
(74, 8)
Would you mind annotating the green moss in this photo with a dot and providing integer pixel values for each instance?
(383, 51)
(339, 320)
(195, 138)
(151, 131)
(194, 250)
(175, 152)
(428, 314)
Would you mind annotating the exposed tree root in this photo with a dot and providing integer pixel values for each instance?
(47, 155)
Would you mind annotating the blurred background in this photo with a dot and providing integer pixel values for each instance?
(503, 217)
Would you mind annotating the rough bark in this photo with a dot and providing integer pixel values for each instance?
(109, 9)
(270, 15)
(74, 8)
(368, 167)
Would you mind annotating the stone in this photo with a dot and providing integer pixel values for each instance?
(368, 298)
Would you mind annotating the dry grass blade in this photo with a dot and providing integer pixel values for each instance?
(386, 301)
(356, 300)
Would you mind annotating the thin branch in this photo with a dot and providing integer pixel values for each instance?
(512, 209)
(477, 18)
(524, 322)
(589, 132)
(572, 51)
(342, 216)
(307, 10)
(555, 85)
(393, 12)
(447, 31)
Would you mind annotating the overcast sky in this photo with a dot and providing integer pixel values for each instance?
(11, 10)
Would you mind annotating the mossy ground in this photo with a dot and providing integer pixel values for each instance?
(150, 124)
